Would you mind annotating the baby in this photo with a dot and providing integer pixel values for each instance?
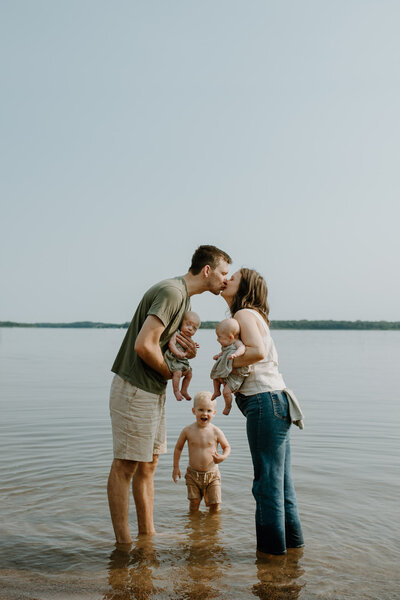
(228, 332)
(202, 476)
(175, 356)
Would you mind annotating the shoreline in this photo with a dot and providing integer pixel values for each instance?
(278, 324)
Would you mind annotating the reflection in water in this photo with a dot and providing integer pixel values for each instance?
(205, 558)
(278, 576)
(131, 571)
(188, 567)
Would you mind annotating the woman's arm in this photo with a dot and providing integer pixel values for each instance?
(251, 338)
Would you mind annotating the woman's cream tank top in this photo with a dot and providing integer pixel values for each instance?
(264, 375)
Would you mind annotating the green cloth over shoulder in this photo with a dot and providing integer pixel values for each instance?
(167, 300)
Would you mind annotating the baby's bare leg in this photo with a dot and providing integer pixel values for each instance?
(217, 389)
(227, 394)
(176, 377)
(187, 377)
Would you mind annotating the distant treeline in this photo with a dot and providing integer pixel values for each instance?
(303, 324)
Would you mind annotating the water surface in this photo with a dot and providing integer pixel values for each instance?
(55, 451)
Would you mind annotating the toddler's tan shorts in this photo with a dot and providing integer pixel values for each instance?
(205, 484)
(138, 422)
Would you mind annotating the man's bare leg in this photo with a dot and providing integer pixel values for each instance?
(214, 508)
(176, 378)
(187, 378)
(118, 490)
(143, 494)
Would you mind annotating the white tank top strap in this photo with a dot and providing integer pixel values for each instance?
(259, 317)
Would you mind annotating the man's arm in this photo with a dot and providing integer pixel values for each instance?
(147, 345)
(226, 449)
(176, 474)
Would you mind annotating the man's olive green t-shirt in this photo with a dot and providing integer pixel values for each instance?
(167, 300)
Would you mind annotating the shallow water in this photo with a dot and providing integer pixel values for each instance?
(55, 452)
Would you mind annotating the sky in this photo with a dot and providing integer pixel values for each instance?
(133, 131)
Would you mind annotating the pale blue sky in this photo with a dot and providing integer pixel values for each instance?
(131, 132)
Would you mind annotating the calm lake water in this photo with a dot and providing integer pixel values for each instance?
(55, 452)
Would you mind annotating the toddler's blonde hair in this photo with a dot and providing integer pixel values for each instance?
(204, 396)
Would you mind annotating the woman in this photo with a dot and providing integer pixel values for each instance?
(265, 406)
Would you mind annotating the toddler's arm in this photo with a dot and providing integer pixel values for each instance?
(240, 349)
(174, 349)
(176, 474)
(226, 449)
(217, 356)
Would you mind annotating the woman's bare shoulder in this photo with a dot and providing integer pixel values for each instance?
(245, 314)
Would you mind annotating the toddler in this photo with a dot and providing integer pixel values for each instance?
(175, 356)
(228, 332)
(202, 476)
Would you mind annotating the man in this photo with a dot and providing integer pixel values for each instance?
(137, 397)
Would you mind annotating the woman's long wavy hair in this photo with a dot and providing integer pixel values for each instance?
(252, 293)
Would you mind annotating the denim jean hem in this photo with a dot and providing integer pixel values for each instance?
(270, 552)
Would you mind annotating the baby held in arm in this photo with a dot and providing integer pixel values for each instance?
(203, 479)
(176, 359)
(228, 332)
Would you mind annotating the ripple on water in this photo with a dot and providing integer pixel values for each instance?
(55, 453)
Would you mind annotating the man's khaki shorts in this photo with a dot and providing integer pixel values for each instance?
(138, 422)
(204, 483)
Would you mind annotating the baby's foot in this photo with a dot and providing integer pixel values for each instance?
(186, 395)
(227, 409)
(215, 395)
(178, 395)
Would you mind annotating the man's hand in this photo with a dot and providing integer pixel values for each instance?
(189, 345)
(176, 474)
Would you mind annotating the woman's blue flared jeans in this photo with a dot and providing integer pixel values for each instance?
(277, 518)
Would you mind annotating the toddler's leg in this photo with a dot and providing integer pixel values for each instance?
(194, 504)
(217, 387)
(176, 377)
(187, 377)
(227, 394)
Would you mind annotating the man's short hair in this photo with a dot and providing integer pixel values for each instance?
(207, 255)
